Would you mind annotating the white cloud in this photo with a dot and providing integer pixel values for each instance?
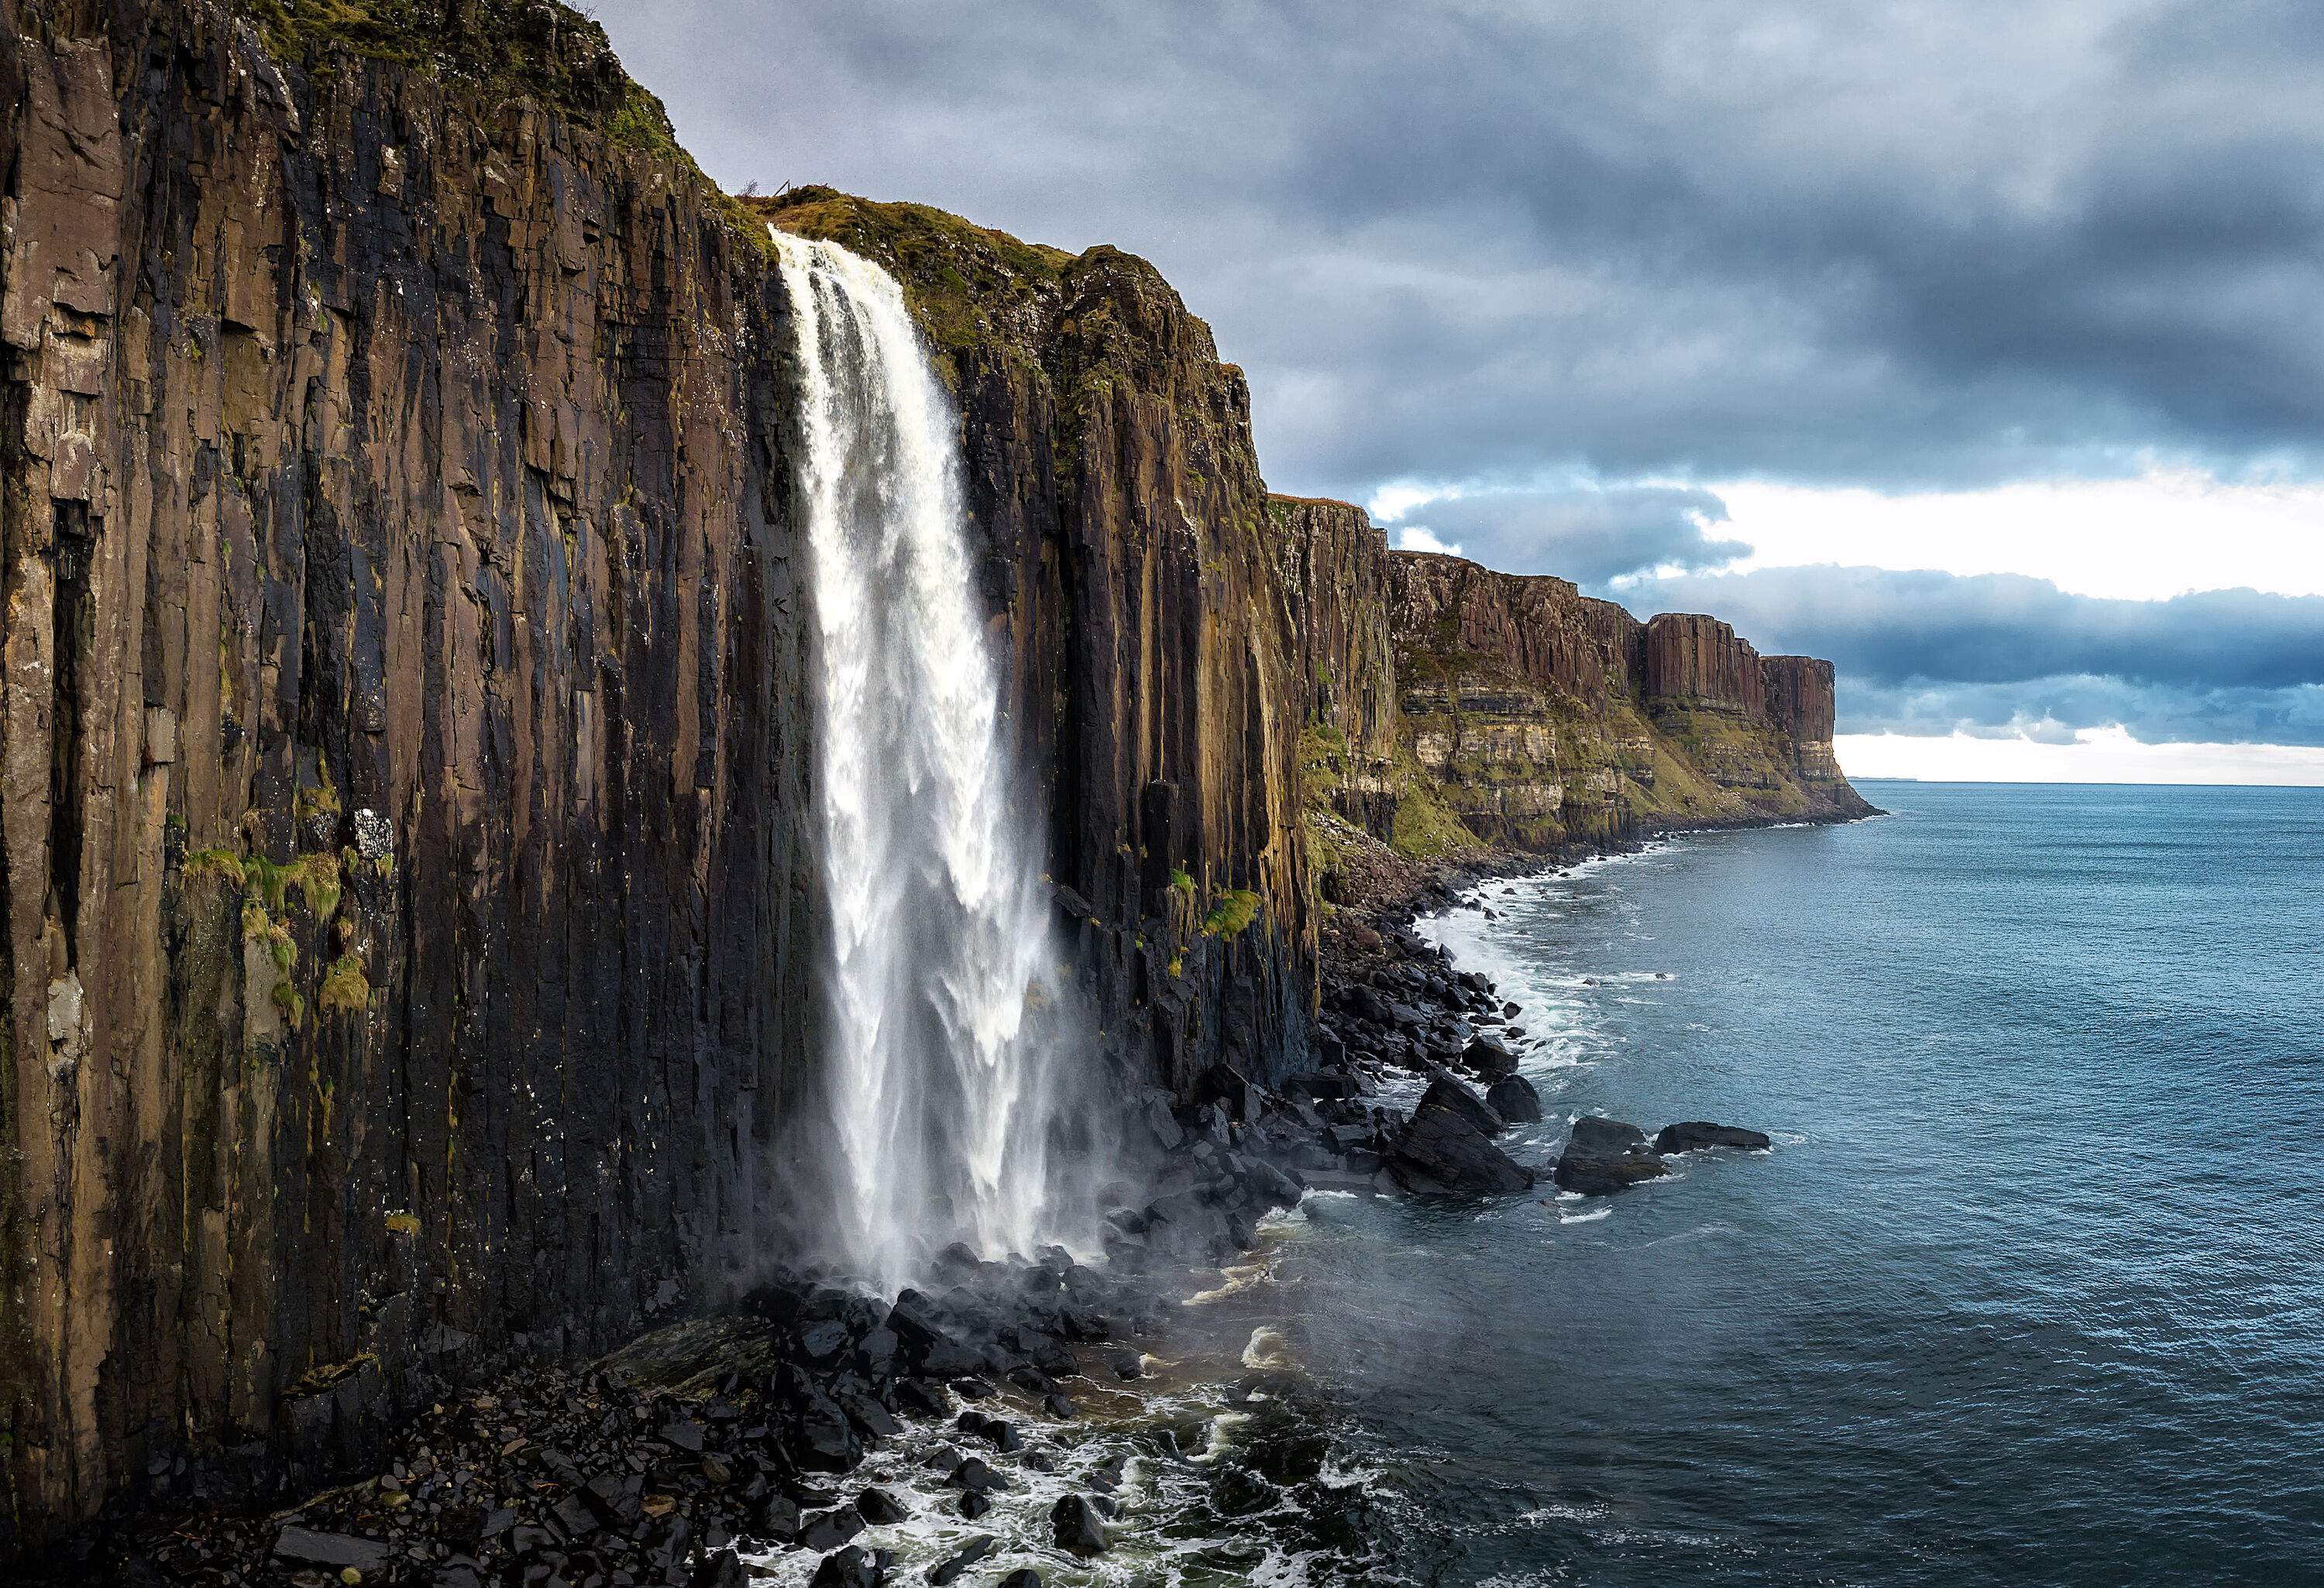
(2095, 755)
(1417, 538)
(2146, 538)
(1394, 501)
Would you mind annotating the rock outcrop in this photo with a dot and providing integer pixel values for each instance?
(1604, 1156)
(1544, 717)
(1700, 1135)
(1443, 1152)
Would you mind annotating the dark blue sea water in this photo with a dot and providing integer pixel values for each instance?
(2030, 1291)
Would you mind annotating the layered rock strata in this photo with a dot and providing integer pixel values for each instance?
(1547, 717)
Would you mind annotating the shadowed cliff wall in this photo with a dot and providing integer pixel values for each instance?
(402, 734)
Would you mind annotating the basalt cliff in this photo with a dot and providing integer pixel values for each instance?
(1453, 706)
(406, 910)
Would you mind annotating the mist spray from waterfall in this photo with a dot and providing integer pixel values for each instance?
(943, 1008)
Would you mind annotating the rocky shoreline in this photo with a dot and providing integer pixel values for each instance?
(736, 1434)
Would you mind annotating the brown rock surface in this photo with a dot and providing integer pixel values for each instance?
(1548, 717)
(400, 741)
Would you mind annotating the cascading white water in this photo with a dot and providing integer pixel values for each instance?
(939, 1051)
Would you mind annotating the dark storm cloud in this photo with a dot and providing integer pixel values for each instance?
(1932, 652)
(1589, 536)
(1887, 245)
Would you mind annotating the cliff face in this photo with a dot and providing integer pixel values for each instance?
(1156, 670)
(1529, 716)
(1551, 717)
(1336, 571)
(402, 742)
(1803, 703)
(408, 908)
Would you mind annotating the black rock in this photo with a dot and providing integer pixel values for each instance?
(1270, 1183)
(852, 1567)
(917, 1395)
(823, 1341)
(614, 1497)
(976, 1477)
(778, 1518)
(879, 1507)
(720, 1569)
(975, 1550)
(1022, 1577)
(829, 1529)
(1228, 1088)
(1488, 1058)
(1604, 1156)
(1441, 1151)
(1445, 1092)
(1080, 1530)
(1694, 1135)
(873, 1420)
(973, 1505)
(1514, 1100)
(1002, 1435)
(923, 1341)
(574, 1518)
(823, 1439)
(336, 1550)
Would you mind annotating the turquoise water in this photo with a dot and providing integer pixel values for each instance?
(2031, 1289)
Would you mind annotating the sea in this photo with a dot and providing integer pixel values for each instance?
(2029, 1289)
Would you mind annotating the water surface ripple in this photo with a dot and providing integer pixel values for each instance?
(2027, 1293)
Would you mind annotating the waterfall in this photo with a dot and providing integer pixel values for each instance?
(942, 1002)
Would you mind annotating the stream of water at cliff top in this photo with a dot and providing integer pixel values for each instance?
(937, 1049)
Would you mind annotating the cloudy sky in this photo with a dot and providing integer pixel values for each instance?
(1979, 346)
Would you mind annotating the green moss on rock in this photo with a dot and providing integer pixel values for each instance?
(964, 283)
(346, 990)
(1230, 914)
(500, 49)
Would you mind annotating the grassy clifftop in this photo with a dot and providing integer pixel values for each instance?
(967, 283)
(495, 50)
